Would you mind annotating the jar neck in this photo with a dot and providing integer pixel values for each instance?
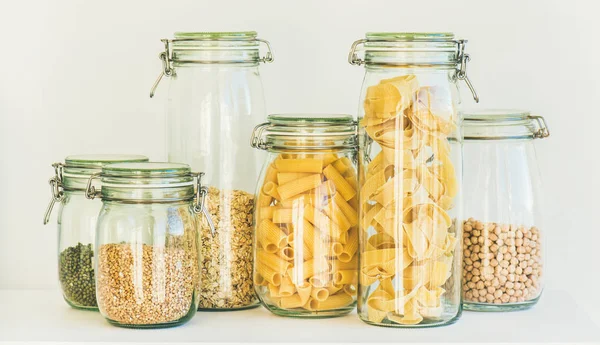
(148, 195)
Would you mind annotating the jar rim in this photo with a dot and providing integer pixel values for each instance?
(502, 124)
(303, 119)
(216, 35)
(306, 132)
(99, 160)
(146, 169)
(410, 36)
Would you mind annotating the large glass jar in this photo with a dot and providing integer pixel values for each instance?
(503, 248)
(147, 250)
(410, 178)
(77, 224)
(215, 95)
(306, 219)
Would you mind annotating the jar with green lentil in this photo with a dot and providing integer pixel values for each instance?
(77, 223)
(147, 249)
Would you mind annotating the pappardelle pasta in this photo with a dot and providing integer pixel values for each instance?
(408, 239)
(307, 235)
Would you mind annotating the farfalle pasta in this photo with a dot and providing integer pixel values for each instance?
(307, 234)
(408, 239)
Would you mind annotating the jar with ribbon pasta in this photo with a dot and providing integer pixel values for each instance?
(503, 247)
(215, 96)
(409, 177)
(306, 218)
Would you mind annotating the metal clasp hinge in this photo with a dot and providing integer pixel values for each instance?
(463, 59)
(353, 56)
(542, 131)
(256, 140)
(200, 201)
(56, 189)
(90, 191)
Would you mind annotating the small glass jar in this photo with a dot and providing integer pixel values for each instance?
(306, 228)
(77, 224)
(215, 95)
(410, 172)
(147, 248)
(503, 256)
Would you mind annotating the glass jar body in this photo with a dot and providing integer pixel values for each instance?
(306, 240)
(410, 162)
(76, 238)
(503, 245)
(147, 264)
(211, 108)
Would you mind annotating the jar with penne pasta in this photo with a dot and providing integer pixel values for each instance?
(503, 256)
(306, 218)
(409, 167)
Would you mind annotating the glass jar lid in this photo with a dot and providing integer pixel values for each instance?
(211, 48)
(306, 132)
(503, 124)
(139, 182)
(426, 49)
(439, 50)
(74, 173)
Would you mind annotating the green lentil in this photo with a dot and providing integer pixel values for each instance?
(76, 274)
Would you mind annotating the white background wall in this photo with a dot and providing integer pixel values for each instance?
(75, 76)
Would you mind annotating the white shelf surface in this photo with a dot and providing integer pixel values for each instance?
(42, 315)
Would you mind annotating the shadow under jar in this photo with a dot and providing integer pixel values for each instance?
(306, 228)
(77, 218)
(409, 176)
(215, 95)
(147, 250)
(503, 256)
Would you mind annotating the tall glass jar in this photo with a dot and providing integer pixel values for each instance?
(410, 179)
(215, 95)
(306, 218)
(503, 255)
(147, 249)
(77, 224)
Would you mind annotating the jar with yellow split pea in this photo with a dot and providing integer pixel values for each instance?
(306, 215)
(409, 172)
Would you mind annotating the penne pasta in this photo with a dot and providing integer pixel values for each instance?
(289, 302)
(283, 178)
(309, 165)
(344, 277)
(350, 247)
(269, 274)
(270, 236)
(349, 211)
(271, 174)
(287, 288)
(283, 215)
(270, 188)
(298, 186)
(339, 300)
(319, 294)
(287, 253)
(272, 261)
(342, 186)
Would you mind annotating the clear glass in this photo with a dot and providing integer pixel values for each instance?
(410, 172)
(147, 247)
(77, 217)
(306, 238)
(503, 244)
(212, 107)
